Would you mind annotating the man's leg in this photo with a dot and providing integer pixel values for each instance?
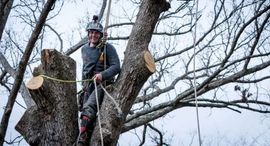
(86, 130)
(88, 117)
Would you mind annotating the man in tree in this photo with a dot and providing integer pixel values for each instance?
(100, 63)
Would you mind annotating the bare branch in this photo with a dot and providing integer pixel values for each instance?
(22, 67)
(5, 7)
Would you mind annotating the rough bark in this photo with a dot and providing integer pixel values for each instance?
(22, 67)
(5, 7)
(133, 75)
(54, 118)
(23, 90)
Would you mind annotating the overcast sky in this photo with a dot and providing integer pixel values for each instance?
(222, 127)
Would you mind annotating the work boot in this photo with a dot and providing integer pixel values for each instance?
(85, 132)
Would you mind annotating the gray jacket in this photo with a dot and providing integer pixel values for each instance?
(93, 63)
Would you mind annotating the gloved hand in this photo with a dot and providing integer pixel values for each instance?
(98, 77)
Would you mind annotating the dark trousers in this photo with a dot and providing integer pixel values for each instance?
(89, 108)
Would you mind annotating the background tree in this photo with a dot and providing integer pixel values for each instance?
(22, 66)
(231, 51)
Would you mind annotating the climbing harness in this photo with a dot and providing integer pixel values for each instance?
(194, 73)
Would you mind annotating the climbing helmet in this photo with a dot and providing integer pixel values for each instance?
(94, 25)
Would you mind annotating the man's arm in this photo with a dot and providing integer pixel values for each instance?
(113, 63)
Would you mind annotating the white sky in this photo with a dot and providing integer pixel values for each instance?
(217, 125)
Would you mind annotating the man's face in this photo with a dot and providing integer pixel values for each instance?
(94, 36)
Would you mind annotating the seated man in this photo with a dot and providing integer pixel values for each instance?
(100, 63)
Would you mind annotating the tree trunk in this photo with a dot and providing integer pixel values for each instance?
(134, 73)
(5, 7)
(22, 67)
(54, 118)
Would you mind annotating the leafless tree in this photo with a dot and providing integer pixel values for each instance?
(22, 64)
(231, 50)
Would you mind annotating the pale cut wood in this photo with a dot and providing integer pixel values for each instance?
(35, 83)
(53, 120)
(134, 74)
(149, 61)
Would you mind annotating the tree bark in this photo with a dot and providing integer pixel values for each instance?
(133, 75)
(5, 7)
(54, 118)
(23, 90)
(22, 67)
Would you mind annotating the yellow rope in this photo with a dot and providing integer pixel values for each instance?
(66, 81)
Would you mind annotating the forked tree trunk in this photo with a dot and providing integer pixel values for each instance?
(53, 121)
(135, 72)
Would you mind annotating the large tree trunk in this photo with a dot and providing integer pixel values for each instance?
(53, 121)
(134, 73)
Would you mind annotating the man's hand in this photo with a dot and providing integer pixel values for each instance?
(97, 77)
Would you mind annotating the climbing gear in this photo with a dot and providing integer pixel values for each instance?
(65, 81)
(99, 121)
(120, 113)
(95, 25)
(105, 31)
(102, 42)
(80, 94)
(102, 56)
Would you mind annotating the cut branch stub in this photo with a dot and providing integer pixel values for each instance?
(53, 120)
(149, 61)
(136, 69)
(35, 83)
